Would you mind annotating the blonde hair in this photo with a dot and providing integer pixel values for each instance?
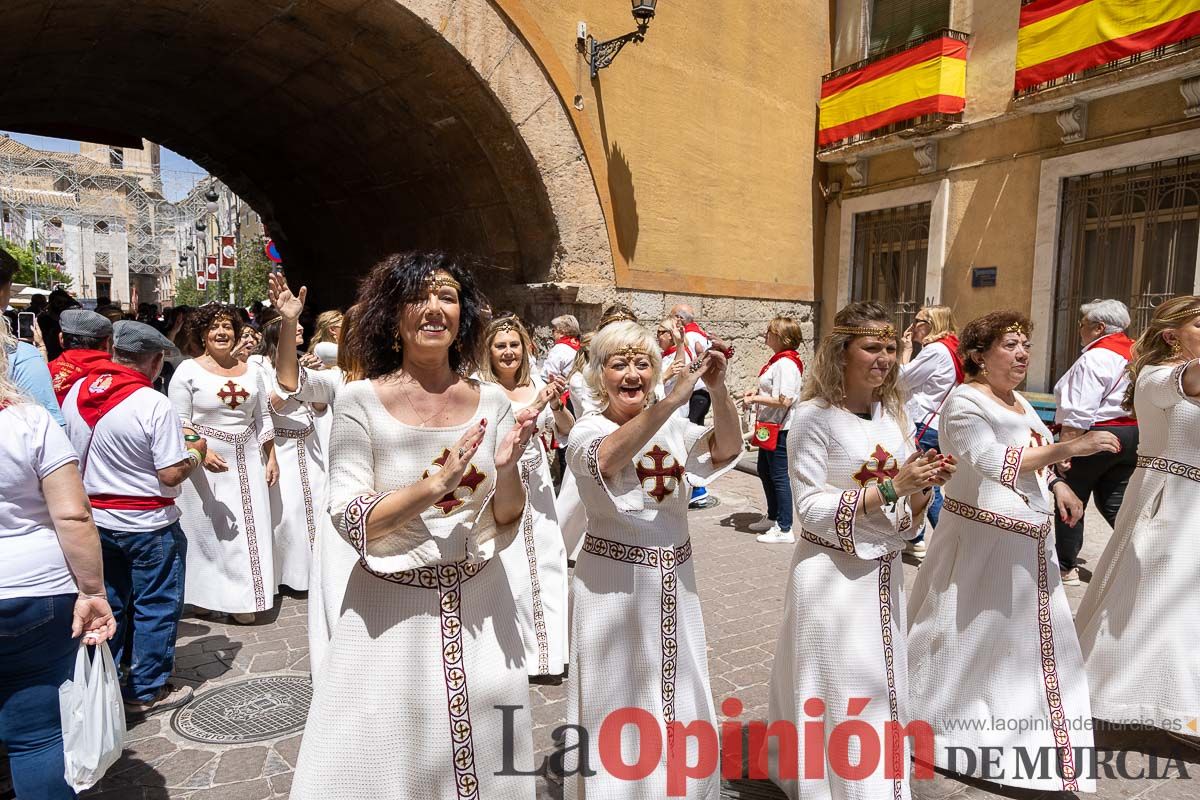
(347, 358)
(10, 393)
(326, 321)
(941, 323)
(616, 337)
(789, 332)
(494, 329)
(581, 356)
(1151, 348)
(826, 377)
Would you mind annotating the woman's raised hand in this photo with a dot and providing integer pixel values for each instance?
(920, 471)
(514, 443)
(459, 458)
(1096, 442)
(289, 305)
(712, 369)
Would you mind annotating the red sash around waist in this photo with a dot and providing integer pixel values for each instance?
(120, 502)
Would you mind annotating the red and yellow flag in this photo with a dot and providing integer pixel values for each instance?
(1062, 37)
(930, 78)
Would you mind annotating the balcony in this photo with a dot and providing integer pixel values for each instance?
(915, 90)
(1077, 52)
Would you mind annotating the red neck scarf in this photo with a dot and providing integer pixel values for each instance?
(692, 327)
(790, 355)
(1117, 342)
(104, 387)
(569, 341)
(70, 367)
(950, 341)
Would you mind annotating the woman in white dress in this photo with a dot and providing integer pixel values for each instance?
(537, 562)
(1137, 621)
(333, 558)
(567, 506)
(226, 507)
(991, 636)
(299, 450)
(859, 491)
(637, 635)
(424, 691)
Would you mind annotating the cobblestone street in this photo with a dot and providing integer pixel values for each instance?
(741, 585)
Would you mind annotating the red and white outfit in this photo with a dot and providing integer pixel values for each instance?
(227, 515)
(1091, 392)
(560, 358)
(70, 367)
(927, 380)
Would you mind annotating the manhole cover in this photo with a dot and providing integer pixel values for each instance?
(246, 711)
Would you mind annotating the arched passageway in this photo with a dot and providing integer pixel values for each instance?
(355, 127)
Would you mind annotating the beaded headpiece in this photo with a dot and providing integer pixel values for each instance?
(439, 280)
(1016, 327)
(629, 352)
(888, 332)
(1182, 316)
(507, 324)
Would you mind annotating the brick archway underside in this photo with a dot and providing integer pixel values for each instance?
(355, 127)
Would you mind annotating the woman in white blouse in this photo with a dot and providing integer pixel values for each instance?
(779, 383)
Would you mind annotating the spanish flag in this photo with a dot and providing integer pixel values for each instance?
(931, 78)
(1062, 37)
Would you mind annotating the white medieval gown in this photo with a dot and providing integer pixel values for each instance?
(568, 506)
(842, 640)
(226, 516)
(991, 636)
(1137, 623)
(296, 498)
(536, 562)
(333, 559)
(428, 647)
(637, 634)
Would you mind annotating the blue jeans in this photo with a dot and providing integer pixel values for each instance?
(37, 654)
(929, 441)
(144, 576)
(773, 472)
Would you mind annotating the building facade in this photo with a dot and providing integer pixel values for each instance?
(1005, 154)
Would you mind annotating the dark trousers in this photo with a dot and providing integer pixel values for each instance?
(37, 654)
(144, 576)
(773, 472)
(1103, 476)
(698, 406)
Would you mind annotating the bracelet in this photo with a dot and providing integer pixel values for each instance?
(102, 595)
(192, 437)
(194, 456)
(887, 490)
(1054, 482)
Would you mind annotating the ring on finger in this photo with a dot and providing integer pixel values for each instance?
(461, 452)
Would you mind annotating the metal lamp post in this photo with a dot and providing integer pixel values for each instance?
(602, 54)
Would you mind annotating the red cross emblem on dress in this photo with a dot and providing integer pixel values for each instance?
(471, 480)
(665, 478)
(878, 468)
(233, 395)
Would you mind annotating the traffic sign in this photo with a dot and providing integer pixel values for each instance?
(273, 251)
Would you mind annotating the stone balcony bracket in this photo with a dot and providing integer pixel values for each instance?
(1073, 123)
(1190, 89)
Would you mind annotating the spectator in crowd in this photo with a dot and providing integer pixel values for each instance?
(51, 586)
(59, 302)
(24, 365)
(38, 303)
(566, 345)
(1089, 397)
(136, 460)
(86, 338)
(698, 342)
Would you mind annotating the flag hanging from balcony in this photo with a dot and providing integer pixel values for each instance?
(1062, 37)
(201, 282)
(211, 266)
(930, 78)
(228, 252)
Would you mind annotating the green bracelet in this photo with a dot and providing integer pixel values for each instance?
(192, 437)
(888, 490)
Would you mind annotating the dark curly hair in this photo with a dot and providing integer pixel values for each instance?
(397, 281)
(980, 334)
(204, 317)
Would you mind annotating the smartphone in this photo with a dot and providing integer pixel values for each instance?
(25, 321)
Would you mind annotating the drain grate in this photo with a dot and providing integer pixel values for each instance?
(253, 710)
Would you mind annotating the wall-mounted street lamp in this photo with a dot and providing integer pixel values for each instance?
(602, 54)
(200, 225)
(210, 200)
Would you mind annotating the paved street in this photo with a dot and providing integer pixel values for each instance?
(741, 584)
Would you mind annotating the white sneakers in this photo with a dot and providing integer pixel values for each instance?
(763, 524)
(776, 536)
(916, 549)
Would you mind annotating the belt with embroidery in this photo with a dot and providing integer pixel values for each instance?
(636, 554)
(1177, 468)
(1010, 524)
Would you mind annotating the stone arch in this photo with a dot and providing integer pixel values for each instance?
(356, 127)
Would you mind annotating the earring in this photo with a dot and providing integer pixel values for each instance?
(1176, 348)
(985, 369)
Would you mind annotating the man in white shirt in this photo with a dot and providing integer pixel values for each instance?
(1089, 396)
(134, 456)
(566, 346)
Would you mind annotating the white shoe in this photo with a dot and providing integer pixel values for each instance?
(916, 549)
(776, 536)
(762, 525)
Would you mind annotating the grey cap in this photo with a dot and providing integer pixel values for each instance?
(78, 322)
(138, 337)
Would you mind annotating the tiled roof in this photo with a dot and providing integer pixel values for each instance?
(14, 150)
(19, 195)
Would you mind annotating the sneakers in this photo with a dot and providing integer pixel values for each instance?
(1070, 577)
(243, 619)
(916, 549)
(169, 697)
(707, 501)
(762, 525)
(776, 536)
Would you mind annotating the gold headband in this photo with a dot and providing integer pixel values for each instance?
(1016, 327)
(507, 325)
(849, 330)
(440, 280)
(1181, 316)
(629, 352)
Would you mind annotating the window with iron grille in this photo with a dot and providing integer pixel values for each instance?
(894, 22)
(1129, 234)
(116, 158)
(891, 250)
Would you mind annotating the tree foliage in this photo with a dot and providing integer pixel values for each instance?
(248, 280)
(29, 267)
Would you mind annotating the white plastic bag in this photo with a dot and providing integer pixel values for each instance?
(93, 717)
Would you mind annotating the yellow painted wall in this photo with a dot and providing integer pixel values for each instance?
(707, 132)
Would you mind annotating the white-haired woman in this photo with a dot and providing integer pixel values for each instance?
(637, 638)
(1089, 397)
(1137, 622)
